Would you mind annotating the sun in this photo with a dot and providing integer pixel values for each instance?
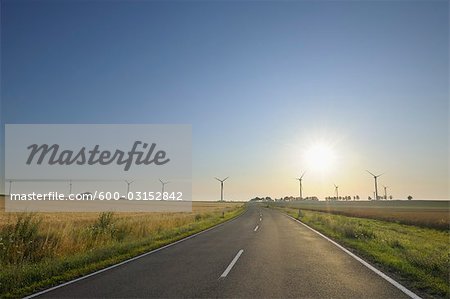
(320, 157)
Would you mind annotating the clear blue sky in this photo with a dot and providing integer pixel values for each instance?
(260, 82)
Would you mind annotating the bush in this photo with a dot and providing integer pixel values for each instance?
(348, 231)
(21, 241)
(106, 228)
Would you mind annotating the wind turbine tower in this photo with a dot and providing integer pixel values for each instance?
(221, 187)
(300, 185)
(10, 185)
(375, 177)
(385, 193)
(336, 189)
(162, 185)
(128, 186)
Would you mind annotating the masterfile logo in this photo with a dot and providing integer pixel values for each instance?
(101, 162)
(95, 156)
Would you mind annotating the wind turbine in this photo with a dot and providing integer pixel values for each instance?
(221, 187)
(336, 189)
(375, 177)
(70, 186)
(10, 184)
(300, 184)
(385, 193)
(163, 184)
(128, 186)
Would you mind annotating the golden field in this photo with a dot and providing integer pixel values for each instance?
(65, 233)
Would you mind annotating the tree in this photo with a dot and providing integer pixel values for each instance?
(410, 197)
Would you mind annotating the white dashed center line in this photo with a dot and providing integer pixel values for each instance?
(230, 266)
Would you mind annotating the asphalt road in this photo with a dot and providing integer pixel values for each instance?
(279, 259)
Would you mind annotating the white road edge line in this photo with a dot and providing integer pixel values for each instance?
(230, 266)
(131, 259)
(256, 228)
(386, 277)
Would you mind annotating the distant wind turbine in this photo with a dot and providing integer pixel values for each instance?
(70, 186)
(300, 185)
(128, 187)
(163, 184)
(336, 189)
(375, 177)
(221, 187)
(10, 184)
(385, 193)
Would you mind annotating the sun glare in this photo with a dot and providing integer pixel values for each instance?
(320, 157)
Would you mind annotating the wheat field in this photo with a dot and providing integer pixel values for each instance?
(63, 233)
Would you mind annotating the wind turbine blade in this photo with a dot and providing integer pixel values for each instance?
(218, 179)
(161, 181)
(303, 174)
(225, 179)
(371, 173)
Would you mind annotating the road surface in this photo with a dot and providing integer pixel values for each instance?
(261, 254)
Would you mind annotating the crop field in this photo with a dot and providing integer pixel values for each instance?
(41, 249)
(424, 213)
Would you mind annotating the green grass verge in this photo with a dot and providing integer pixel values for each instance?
(20, 280)
(418, 257)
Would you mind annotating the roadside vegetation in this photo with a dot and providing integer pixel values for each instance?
(44, 249)
(416, 256)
